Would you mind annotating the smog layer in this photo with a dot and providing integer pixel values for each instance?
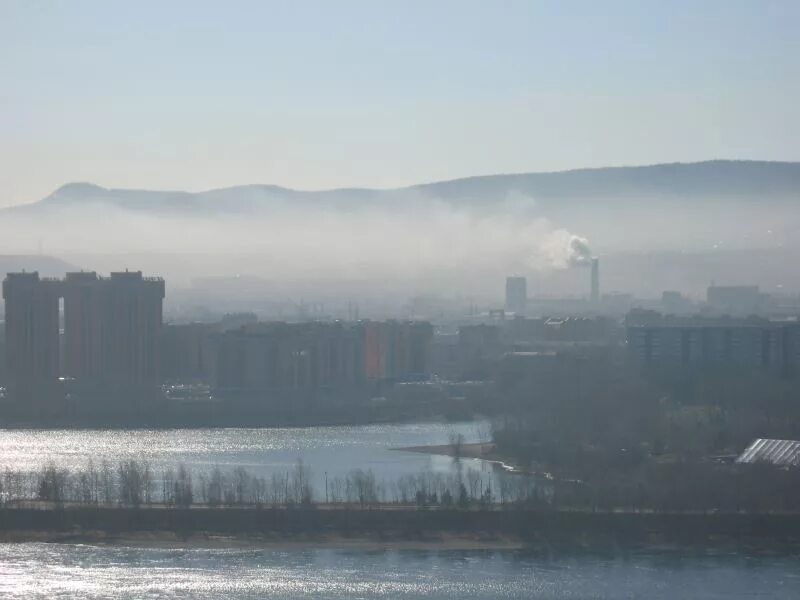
(660, 227)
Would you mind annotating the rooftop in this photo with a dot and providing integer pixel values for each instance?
(785, 453)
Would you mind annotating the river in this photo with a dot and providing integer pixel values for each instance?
(36, 570)
(33, 570)
(330, 451)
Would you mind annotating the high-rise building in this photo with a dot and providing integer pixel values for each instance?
(133, 321)
(516, 294)
(85, 327)
(112, 328)
(32, 339)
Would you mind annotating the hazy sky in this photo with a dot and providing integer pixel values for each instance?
(196, 95)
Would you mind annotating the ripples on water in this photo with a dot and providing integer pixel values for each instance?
(331, 450)
(78, 571)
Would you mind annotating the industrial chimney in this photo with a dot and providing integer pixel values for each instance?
(595, 293)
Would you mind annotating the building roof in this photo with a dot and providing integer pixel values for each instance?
(776, 452)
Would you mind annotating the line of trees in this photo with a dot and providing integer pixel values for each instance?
(669, 487)
(135, 483)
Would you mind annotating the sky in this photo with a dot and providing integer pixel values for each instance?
(198, 95)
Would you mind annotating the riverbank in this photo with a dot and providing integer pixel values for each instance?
(170, 539)
(393, 526)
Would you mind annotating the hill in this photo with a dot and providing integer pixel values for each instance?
(744, 180)
(657, 227)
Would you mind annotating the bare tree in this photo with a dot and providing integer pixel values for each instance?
(363, 487)
(242, 483)
(107, 482)
(168, 487)
(134, 483)
(52, 484)
(184, 493)
(215, 488)
(301, 483)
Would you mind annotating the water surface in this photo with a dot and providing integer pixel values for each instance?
(333, 450)
(35, 570)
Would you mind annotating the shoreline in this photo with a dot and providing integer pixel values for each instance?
(206, 540)
(398, 527)
(440, 542)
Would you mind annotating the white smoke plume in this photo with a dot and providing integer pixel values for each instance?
(564, 249)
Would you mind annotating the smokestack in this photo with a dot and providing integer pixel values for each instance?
(595, 294)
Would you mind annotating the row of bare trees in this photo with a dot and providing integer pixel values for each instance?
(135, 483)
(685, 486)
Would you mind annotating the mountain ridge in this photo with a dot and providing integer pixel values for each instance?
(716, 178)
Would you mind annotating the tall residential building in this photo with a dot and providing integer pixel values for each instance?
(516, 294)
(112, 329)
(85, 327)
(32, 339)
(133, 322)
